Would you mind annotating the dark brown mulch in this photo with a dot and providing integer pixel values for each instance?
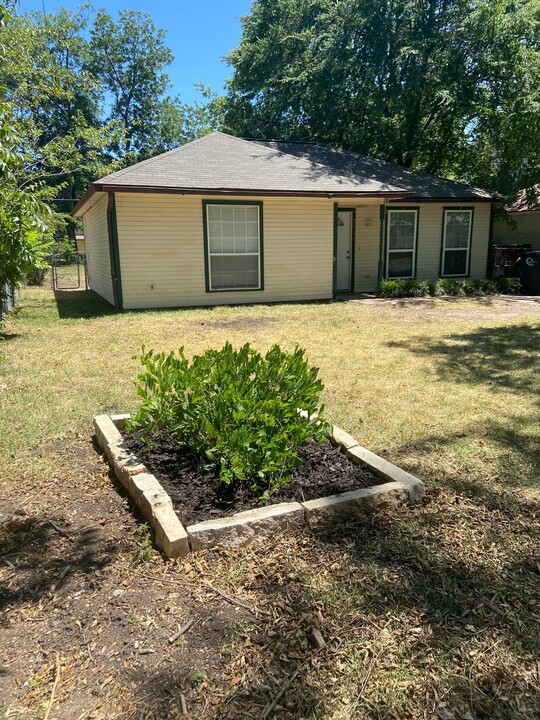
(198, 494)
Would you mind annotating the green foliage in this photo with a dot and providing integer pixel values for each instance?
(129, 56)
(508, 286)
(57, 102)
(23, 214)
(403, 288)
(87, 93)
(235, 409)
(448, 286)
(461, 287)
(178, 122)
(445, 86)
(483, 286)
(145, 551)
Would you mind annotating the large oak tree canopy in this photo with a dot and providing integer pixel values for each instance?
(447, 86)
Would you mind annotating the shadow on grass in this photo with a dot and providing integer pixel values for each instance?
(503, 360)
(506, 461)
(86, 304)
(506, 358)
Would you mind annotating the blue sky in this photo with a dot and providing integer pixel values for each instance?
(199, 33)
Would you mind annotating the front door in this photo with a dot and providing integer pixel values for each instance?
(344, 250)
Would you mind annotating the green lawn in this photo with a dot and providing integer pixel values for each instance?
(428, 612)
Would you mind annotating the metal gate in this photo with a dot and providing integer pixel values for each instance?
(68, 271)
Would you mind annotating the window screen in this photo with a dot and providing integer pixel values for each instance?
(456, 242)
(234, 240)
(401, 243)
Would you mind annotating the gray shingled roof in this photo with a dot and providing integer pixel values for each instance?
(222, 162)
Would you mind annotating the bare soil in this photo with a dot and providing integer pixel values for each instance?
(198, 494)
(84, 598)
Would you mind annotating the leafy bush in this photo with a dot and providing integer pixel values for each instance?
(448, 286)
(235, 409)
(403, 288)
(480, 287)
(508, 285)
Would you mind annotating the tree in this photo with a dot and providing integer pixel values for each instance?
(56, 101)
(23, 214)
(418, 82)
(502, 146)
(130, 56)
(178, 123)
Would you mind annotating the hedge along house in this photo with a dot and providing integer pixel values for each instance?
(228, 220)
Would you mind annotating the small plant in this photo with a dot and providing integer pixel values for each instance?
(145, 550)
(403, 288)
(197, 678)
(235, 409)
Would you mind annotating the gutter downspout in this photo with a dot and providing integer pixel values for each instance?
(114, 253)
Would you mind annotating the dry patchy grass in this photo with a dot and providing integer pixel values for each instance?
(427, 612)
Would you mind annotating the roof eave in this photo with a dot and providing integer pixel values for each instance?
(267, 192)
(82, 202)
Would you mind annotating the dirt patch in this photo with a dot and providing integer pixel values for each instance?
(241, 323)
(86, 601)
(459, 309)
(198, 494)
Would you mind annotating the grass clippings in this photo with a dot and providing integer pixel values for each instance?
(424, 612)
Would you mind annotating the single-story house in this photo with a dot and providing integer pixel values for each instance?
(230, 220)
(526, 217)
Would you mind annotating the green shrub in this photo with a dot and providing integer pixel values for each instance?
(481, 286)
(448, 286)
(403, 288)
(508, 285)
(235, 409)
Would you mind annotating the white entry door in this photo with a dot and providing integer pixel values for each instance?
(344, 251)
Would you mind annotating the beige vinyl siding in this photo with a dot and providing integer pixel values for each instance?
(527, 230)
(96, 238)
(428, 254)
(161, 249)
(430, 228)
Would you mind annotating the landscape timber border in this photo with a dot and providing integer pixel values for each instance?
(155, 506)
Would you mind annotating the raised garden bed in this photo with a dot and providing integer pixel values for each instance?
(191, 510)
(199, 495)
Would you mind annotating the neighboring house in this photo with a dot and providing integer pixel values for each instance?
(527, 223)
(226, 220)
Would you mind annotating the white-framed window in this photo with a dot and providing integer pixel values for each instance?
(401, 243)
(233, 245)
(457, 230)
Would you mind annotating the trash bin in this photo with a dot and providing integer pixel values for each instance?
(529, 269)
